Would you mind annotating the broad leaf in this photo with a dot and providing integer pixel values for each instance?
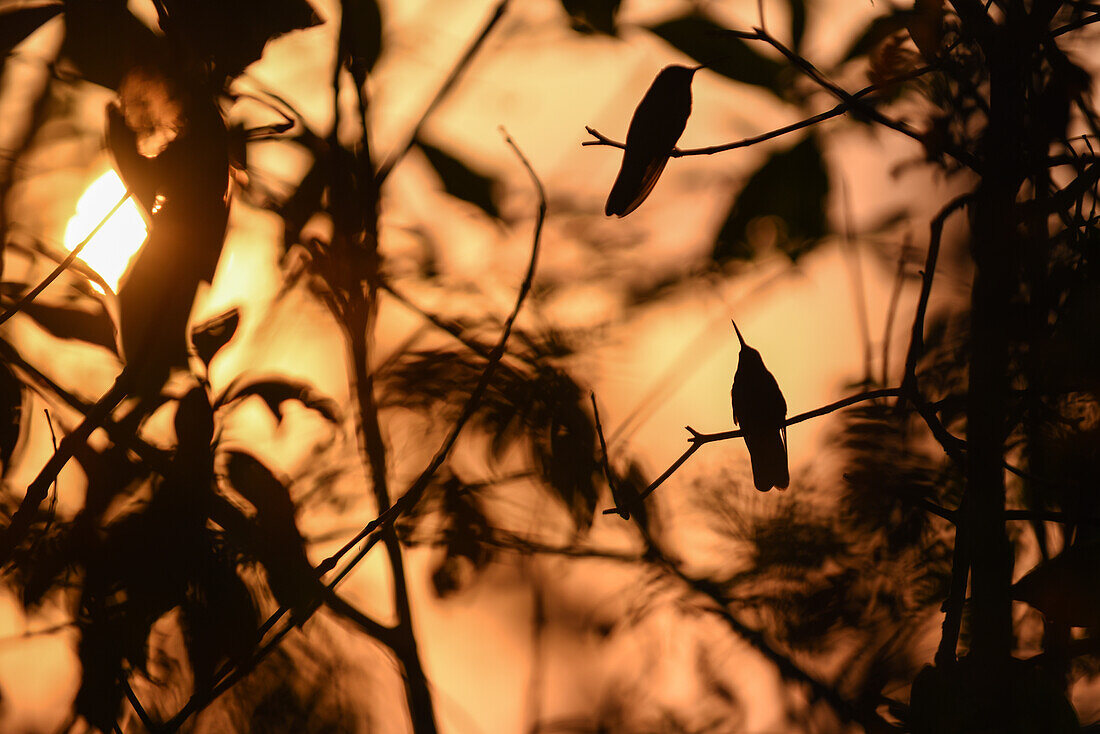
(279, 545)
(362, 32)
(798, 21)
(17, 21)
(459, 180)
(592, 16)
(104, 40)
(92, 325)
(722, 51)
(233, 34)
(277, 390)
(874, 33)
(214, 333)
(792, 187)
(11, 414)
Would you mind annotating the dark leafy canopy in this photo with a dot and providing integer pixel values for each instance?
(592, 16)
(461, 181)
(11, 413)
(722, 51)
(793, 187)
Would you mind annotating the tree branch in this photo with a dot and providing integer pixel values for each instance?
(840, 109)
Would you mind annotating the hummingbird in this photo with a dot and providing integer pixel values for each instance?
(657, 124)
(761, 411)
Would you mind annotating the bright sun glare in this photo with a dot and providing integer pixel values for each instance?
(110, 251)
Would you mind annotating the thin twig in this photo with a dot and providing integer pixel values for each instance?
(604, 460)
(838, 110)
(63, 265)
(697, 439)
(412, 496)
(452, 78)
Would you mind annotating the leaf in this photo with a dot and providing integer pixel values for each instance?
(592, 16)
(459, 180)
(220, 617)
(19, 21)
(798, 22)
(11, 414)
(361, 28)
(793, 187)
(277, 390)
(233, 34)
(1064, 588)
(214, 333)
(70, 322)
(279, 545)
(877, 31)
(104, 40)
(723, 52)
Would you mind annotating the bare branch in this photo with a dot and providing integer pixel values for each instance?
(840, 109)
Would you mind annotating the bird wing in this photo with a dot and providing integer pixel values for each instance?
(633, 185)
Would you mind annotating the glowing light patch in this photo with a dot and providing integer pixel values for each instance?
(115, 244)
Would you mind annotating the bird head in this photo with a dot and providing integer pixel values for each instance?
(676, 75)
(747, 352)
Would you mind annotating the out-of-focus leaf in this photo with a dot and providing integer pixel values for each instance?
(798, 21)
(467, 528)
(302, 204)
(11, 414)
(362, 32)
(19, 20)
(544, 408)
(1064, 588)
(71, 322)
(459, 180)
(104, 40)
(280, 547)
(213, 334)
(233, 34)
(723, 52)
(220, 617)
(875, 33)
(793, 187)
(592, 16)
(277, 390)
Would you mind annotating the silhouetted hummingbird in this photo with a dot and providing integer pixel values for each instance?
(761, 411)
(657, 124)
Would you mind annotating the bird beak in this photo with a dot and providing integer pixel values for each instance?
(739, 337)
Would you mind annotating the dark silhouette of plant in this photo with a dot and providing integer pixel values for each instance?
(199, 536)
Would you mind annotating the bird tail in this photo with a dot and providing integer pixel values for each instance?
(768, 454)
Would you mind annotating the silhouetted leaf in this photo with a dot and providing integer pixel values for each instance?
(280, 546)
(723, 52)
(459, 180)
(877, 31)
(220, 617)
(91, 324)
(302, 204)
(545, 409)
(11, 414)
(276, 390)
(104, 40)
(233, 34)
(214, 333)
(798, 22)
(362, 32)
(592, 16)
(1064, 588)
(19, 20)
(793, 187)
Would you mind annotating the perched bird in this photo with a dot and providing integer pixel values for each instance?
(657, 124)
(761, 411)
